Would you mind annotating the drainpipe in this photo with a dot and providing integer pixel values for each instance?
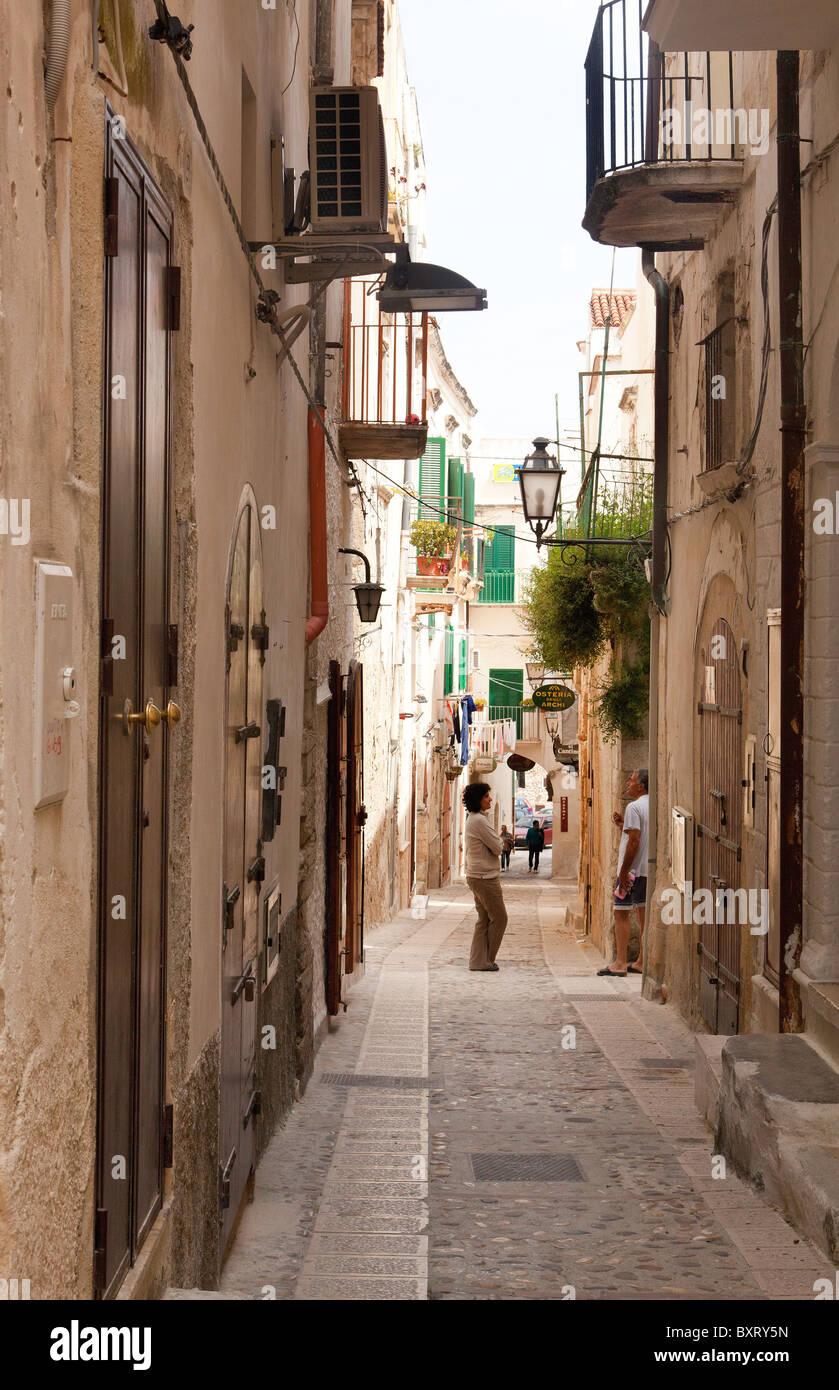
(317, 531)
(654, 956)
(793, 443)
(59, 44)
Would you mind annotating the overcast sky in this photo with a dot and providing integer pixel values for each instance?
(501, 95)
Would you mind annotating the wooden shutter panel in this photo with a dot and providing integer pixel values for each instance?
(448, 665)
(504, 549)
(461, 680)
(432, 480)
(469, 499)
(455, 491)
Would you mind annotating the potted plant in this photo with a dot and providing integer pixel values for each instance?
(480, 702)
(434, 543)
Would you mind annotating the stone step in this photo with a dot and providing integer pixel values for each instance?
(708, 1075)
(778, 1124)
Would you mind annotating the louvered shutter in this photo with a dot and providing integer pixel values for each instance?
(432, 480)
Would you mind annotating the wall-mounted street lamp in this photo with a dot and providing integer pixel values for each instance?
(368, 597)
(535, 673)
(419, 287)
(540, 479)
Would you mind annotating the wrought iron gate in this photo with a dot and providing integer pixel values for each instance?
(719, 827)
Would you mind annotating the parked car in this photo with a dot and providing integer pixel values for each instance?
(524, 822)
(523, 808)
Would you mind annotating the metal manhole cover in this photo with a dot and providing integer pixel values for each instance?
(526, 1168)
(392, 1083)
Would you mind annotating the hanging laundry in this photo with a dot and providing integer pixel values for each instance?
(470, 707)
(454, 719)
(464, 746)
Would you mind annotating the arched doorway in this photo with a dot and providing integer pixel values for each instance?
(719, 822)
(244, 622)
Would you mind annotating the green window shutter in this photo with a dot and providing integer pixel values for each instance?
(503, 550)
(448, 664)
(506, 692)
(431, 623)
(469, 499)
(432, 480)
(455, 488)
(461, 682)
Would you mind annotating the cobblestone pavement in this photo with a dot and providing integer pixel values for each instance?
(529, 1134)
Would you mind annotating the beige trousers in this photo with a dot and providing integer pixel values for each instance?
(491, 923)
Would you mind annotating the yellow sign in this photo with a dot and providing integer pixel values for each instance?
(503, 473)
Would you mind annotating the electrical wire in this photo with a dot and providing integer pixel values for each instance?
(748, 452)
(163, 15)
(296, 46)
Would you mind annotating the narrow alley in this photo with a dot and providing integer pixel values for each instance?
(526, 1135)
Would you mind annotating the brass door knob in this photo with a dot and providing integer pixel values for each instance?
(150, 718)
(172, 714)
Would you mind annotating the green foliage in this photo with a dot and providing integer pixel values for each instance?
(622, 700)
(433, 537)
(559, 609)
(578, 606)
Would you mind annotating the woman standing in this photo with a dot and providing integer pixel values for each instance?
(483, 876)
(506, 847)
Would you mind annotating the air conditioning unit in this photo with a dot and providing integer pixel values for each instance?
(348, 160)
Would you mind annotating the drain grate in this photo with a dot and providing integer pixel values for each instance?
(664, 1063)
(598, 998)
(391, 1083)
(526, 1168)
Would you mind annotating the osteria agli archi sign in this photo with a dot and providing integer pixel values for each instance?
(553, 697)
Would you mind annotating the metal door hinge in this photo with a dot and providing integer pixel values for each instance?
(249, 730)
(246, 985)
(173, 297)
(100, 1249)
(168, 1135)
(224, 1176)
(235, 633)
(261, 634)
(111, 216)
(228, 902)
(254, 1107)
(256, 872)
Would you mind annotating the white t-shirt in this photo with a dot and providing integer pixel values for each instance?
(637, 817)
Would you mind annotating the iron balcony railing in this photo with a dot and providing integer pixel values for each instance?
(642, 104)
(504, 586)
(385, 362)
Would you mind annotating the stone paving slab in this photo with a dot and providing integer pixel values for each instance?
(367, 1192)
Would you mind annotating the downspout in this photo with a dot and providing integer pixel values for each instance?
(317, 531)
(655, 955)
(793, 443)
(59, 44)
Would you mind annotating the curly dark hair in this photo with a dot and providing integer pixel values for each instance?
(474, 794)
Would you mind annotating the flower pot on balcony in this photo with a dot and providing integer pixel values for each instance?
(427, 564)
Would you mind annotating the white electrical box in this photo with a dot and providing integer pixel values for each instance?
(55, 680)
(681, 848)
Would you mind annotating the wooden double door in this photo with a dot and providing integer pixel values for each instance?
(346, 816)
(137, 716)
(719, 826)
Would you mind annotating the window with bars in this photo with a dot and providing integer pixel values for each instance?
(721, 380)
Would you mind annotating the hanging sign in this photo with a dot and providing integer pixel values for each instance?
(517, 763)
(553, 697)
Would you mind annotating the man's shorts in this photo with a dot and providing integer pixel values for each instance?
(636, 897)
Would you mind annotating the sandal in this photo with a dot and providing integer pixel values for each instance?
(630, 970)
(616, 974)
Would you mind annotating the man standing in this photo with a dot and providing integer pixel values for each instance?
(631, 885)
(535, 841)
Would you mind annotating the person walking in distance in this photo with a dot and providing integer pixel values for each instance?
(535, 840)
(483, 875)
(631, 885)
(506, 847)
